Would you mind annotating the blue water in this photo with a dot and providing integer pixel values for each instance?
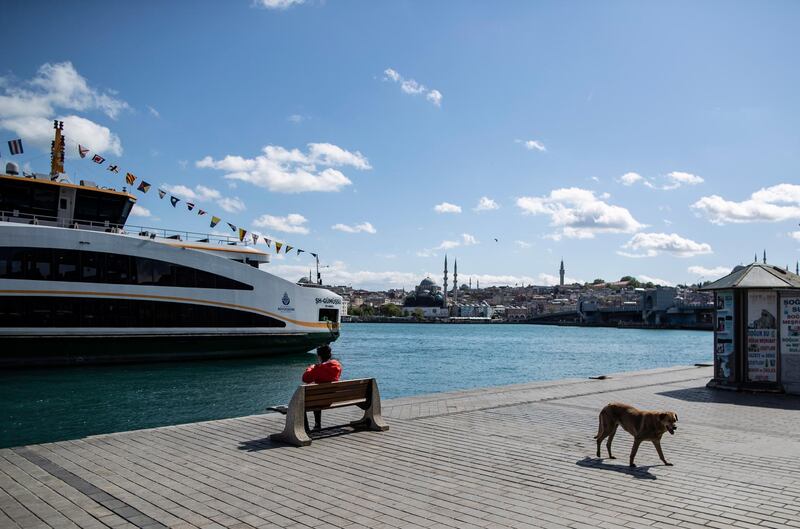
(44, 405)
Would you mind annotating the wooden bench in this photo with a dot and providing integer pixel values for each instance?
(316, 397)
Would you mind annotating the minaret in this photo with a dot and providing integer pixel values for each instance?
(561, 273)
(755, 257)
(455, 282)
(797, 268)
(470, 283)
(478, 284)
(765, 257)
(445, 280)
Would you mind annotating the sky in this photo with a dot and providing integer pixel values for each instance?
(635, 138)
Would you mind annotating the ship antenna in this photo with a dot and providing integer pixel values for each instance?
(57, 151)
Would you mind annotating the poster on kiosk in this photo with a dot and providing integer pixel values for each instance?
(790, 340)
(762, 336)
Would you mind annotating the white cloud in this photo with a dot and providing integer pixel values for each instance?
(292, 223)
(672, 180)
(364, 227)
(628, 179)
(468, 240)
(231, 205)
(678, 178)
(153, 111)
(446, 207)
(535, 145)
(770, 204)
(297, 118)
(339, 273)
(27, 109)
(795, 235)
(202, 193)
(412, 87)
(486, 204)
(465, 240)
(551, 280)
(292, 171)
(523, 244)
(277, 4)
(709, 273)
(652, 244)
(140, 211)
(656, 281)
(578, 213)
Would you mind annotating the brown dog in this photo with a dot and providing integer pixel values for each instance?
(642, 425)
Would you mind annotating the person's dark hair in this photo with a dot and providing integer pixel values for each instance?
(324, 352)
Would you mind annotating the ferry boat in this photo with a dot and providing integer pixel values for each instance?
(78, 285)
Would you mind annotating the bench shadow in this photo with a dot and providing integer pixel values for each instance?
(640, 472)
(258, 445)
(739, 398)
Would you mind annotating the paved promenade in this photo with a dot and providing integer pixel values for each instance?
(515, 456)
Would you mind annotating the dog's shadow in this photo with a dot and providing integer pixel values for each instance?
(642, 472)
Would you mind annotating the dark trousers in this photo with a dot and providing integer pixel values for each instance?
(317, 419)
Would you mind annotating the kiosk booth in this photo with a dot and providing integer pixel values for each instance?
(757, 329)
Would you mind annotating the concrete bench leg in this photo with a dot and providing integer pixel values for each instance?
(372, 419)
(294, 432)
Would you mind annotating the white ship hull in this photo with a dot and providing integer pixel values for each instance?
(127, 308)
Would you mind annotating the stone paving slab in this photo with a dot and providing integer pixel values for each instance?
(512, 456)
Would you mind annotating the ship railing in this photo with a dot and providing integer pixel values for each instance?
(110, 227)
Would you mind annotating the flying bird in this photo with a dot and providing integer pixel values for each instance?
(496, 239)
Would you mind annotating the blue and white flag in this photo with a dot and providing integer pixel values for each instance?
(15, 146)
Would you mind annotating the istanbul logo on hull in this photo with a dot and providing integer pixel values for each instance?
(286, 300)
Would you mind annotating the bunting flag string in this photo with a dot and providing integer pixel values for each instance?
(15, 146)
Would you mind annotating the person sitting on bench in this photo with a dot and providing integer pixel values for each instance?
(325, 370)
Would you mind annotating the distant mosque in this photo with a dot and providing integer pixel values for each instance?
(431, 299)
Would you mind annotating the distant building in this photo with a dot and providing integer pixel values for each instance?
(561, 272)
(427, 298)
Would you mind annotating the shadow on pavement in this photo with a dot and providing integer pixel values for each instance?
(642, 472)
(257, 445)
(740, 398)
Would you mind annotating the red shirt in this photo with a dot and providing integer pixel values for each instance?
(329, 371)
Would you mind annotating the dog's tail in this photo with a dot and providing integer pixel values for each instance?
(599, 426)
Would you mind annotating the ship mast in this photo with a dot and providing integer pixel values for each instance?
(57, 151)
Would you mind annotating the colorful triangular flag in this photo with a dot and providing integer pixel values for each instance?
(255, 237)
(144, 187)
(15, 146)
(242, 233)
(201, 212)
(299, 251)
(269, 242)
(233, 228)
(130, 179)
(113, 168)
(215, 221)
(98, 159)
(161, 193)
(315, 255)
(174, 200)
(190, 206)
(289, 248)
(82, 150)
(278, 246)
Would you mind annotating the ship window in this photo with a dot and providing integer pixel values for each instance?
(39, 263)
(90, 267)
(62, 203)
(41, 311)
(66, 265)
(100, 267)
(118, 269)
